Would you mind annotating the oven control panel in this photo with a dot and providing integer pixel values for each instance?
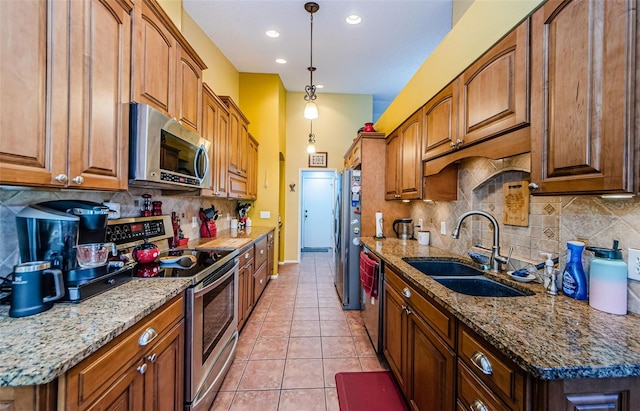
(137, 229)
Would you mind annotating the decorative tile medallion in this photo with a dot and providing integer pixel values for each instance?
(549, 209)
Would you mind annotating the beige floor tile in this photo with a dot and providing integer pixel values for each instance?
(364, 348)
(306, 301)
(302, 400)
(303, 373)
(262, 375)
(251, 329)
(357, 327)
(306, 314)
(256, 400)
(335, 365)
(233, 377)
(331, 398)
(223, 401)
(304, 347)
(332, 314)
(275, 329)
(331, 302)
(334, 329)
(244, 347)
(270, 348)
(338, 347)
(372, 364)
(305, 328)
(279, 315)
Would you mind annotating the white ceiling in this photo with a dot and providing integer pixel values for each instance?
(376, 57)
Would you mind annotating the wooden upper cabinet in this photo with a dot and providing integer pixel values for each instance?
(99, 94)
(238, 137)
(167, 72)
(583, 97)
(215, 119)
(411, 161)
(494, 91)
(252, 167)
(66, 123)
(392, 153)
(34, 97)
(439, 122)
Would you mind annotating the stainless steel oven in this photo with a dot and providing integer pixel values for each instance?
(212, 335)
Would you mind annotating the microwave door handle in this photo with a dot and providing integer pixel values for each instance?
(201, 152)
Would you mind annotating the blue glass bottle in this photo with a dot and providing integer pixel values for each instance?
(574, 281)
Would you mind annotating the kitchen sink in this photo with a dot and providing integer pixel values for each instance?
(464, 279)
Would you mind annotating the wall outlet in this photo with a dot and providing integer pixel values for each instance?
(194, 222)
(633, 267)
(443, 227)
(420, 222)
(265, 214)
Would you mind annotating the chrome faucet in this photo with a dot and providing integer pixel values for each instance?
(496, 259)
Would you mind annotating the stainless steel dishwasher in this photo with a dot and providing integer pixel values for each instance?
(372, 306)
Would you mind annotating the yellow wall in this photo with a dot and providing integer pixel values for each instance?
(482, 25)
(263, 104)
(340, 117)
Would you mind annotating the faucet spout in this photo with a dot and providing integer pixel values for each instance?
(496, 259)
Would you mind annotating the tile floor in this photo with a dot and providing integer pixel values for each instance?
(295, 341)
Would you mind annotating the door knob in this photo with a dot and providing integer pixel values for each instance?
(61, 178)
(78, 180)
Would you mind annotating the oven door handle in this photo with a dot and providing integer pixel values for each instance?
(200, 289)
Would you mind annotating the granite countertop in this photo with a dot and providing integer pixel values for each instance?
(39, 348)
(550, 337)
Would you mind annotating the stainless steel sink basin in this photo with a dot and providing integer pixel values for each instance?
(464, 279)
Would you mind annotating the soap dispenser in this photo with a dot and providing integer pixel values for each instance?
(608, 280)
(550, 274)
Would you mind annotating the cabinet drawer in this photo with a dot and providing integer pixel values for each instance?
(246, 256)
(260, 250)
(440, 320)
(471, 391)
(504, 377)
(94, 374)
(259, 281)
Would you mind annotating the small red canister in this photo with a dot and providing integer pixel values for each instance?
(208, 229)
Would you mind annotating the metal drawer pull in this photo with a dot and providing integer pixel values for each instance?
(153, 357)
(406, 292)
(482, 362)
(147, 336)
(246, 255)
(62, 178)
(142, 369)
(261, 252)
(261, 281)
(478, 405)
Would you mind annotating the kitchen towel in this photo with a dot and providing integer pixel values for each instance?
(368, 275)
(368, 391)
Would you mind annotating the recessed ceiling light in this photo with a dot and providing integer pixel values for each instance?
(319, 86)
(281, 61)
(272, 33)
(353, 19)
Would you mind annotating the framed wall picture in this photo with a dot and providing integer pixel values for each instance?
(318, 159)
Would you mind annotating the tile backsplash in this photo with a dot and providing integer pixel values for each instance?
(13, 200)
(553, 220)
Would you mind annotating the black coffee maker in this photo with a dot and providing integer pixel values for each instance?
(50, 231)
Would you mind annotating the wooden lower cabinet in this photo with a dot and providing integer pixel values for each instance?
(245, 284)
(423, 364)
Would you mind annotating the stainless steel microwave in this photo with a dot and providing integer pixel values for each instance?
(164, 154)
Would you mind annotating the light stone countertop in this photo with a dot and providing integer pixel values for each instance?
(39, 348)
(550, 337)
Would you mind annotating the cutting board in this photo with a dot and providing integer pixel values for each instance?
(515, 203)
(225, 243)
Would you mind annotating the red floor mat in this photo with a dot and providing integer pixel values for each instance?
(369, 391)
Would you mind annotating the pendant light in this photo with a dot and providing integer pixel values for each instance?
(310, 109)
(311, 147)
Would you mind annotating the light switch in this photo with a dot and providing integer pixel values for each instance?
(265, 214)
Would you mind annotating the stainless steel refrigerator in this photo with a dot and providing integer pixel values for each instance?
(346, 232)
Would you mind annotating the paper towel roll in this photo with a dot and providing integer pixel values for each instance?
(379, 222)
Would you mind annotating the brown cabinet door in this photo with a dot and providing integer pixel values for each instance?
(392, 154)
(582, 97)
(125, 394)
(154, 64)
(410, 170)
(242, 296)
(431, 366)
(243, 147)
(215, 118)
(165, 372)
(252, 168)
(234, 143)
(394, 334)
(270, 255)
(259, 282)
(439, 122)
(34, 97)
(494, 91)
(99, 94)
(188, 86)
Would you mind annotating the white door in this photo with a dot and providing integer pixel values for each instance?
(317, 209)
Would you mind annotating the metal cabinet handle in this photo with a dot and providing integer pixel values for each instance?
(62, 178)
(406, 309)
(152, 358)
(78, 180)
(246, 255)
(533, 186)
(452, 144)
(406, 292)
(147, 336)
(482, 362)
(261, 252)
(142, 369)
(261, 281)
(478, 405)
